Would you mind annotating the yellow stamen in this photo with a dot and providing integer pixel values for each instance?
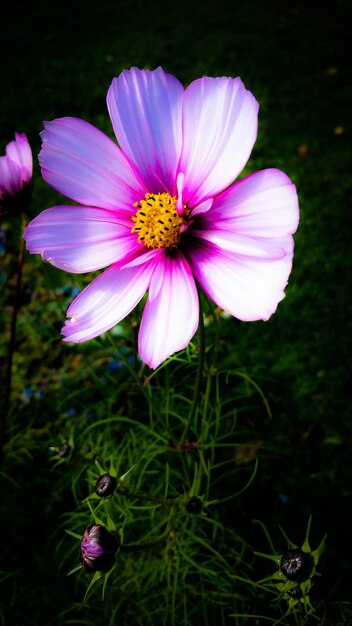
(157, 222)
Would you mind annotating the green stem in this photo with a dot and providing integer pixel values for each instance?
(212, 310)
(135, 547)
(141, 496)
(205, 407)
(296, 618)
(301, 614)
(197, 387)
(12, 342)
(203, 423)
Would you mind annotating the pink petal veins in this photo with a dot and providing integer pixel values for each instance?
(80, 239)
(82, 163)
(19, 151)
(170, 317)
(10, 177)
(106, 301)
(146, 112)
(255, 247)
(264, 204)
(248, 288)
(219, 131)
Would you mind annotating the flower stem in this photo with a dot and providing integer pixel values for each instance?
(200, 368)
(299, 614)
(12, 342)
(140, 496)
(214, 316)
(135, 547)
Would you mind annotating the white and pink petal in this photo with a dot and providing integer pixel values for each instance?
(255, 247)
(106, 301)
(246, 287)
(264, 204)
(80, 239)
(82, 163)
(10, 177)
(146, 113)
(219, 131)
(171, 314)
(19, 151)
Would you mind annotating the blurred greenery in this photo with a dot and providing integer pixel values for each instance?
(59, 60)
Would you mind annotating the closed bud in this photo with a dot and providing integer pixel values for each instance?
(194, 505)
(63, 450)
(98, 549)
(105, 485)
(296, 565)
(295, 593)
(15, 175)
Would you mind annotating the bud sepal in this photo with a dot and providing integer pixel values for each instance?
(296, 568)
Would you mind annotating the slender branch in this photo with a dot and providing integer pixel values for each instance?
(197, 387)
(12, 342)
(205, 407)
(140, 496)
(213, 314)
(135, 547)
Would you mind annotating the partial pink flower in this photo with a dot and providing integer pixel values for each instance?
(160, 211)
(15, 172)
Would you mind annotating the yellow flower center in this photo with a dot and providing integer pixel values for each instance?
(157, 222)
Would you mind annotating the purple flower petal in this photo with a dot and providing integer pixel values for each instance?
(79, 161)
(146, 112)
(10, 177)
(248, 288)
(259, 248)
(204, 207)
(170, 317)
(19, 151)
(80, 239)
(263, 204)
(106, 301)
(219, 131)
(98, 549)
(144, 256)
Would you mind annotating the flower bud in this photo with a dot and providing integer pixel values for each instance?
(296, 565)
(194, 505)
(15, 174)
(63, 450)
(296, 592)
(98, 549)
(105, 485)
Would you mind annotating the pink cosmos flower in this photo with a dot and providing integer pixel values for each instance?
(15, 171)
(161, 212)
